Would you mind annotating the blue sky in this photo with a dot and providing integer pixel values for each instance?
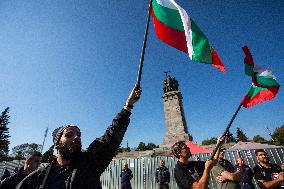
(76, 62)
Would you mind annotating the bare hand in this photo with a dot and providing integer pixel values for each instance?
(210, 163)
(281, 176)
(133, 97)
(220, 179)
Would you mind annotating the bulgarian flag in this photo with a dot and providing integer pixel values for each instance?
(174, 27)
(264, 86)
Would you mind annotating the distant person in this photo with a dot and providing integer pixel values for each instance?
(224, 173)
(6, 173)
(75, 169)
(126, 176)
(267, 175)
(162, 176)
(246, 174)
(185, 172)
(32, 163)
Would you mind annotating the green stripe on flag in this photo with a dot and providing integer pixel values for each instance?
(201, 47)
(266, 81)
(167, 16)
(249, 70)
(254, 90)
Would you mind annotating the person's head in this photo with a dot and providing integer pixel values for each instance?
(180, 150)
(125, 166)
(162, 163)
(67, 140)
(262, 156)
(240, 161)
(222, 153)
(32, 162)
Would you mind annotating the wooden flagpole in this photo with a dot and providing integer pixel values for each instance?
(226, 131)
(139, 74)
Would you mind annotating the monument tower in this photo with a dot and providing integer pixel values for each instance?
(176, 127)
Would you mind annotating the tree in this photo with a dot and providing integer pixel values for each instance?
(48, 156)
(259, 139)
(142, 146)
(230, 137)
(241, 136)
(278, 136)
(26, 149)
(4, 134)
(212, 140)
(151, 146)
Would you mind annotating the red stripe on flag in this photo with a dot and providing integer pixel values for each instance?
(248, 59)
(170, 36)
(262, 96)
(216, 61)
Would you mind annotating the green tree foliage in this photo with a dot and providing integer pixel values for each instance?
(259, 139)
(230, 137)
(142, 146)
(278, 136)
(241, 136)
(212, 140)
(122, 149)
(48, 156)
(26, 149)
(4, 134)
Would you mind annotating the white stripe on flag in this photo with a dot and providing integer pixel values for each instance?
(187, 28)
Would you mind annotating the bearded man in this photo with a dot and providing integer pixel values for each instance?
(74, 169)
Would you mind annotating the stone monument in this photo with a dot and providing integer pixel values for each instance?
(176, 127)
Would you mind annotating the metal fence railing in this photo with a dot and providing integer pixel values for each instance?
(144, 168)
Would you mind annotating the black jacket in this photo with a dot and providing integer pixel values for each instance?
(86, 171)
(162, 175)
(126, 176)
(12, 181)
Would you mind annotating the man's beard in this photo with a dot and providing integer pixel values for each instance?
(68, 153)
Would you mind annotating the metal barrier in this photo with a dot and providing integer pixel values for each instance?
(144, 168)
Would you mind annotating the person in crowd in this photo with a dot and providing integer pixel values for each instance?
(224, 173)
(162, 176)
(126, 176)
(185, 173)
(246, 174)
(75, 169)
(267, 175)
(31, 164)
(6, 173)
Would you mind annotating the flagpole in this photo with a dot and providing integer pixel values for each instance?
(139, 74)
(226, 131)
(45, 134)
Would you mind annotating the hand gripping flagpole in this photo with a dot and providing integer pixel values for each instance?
(139, 74)
(226, 131)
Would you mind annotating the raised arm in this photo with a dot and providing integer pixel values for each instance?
(102, 150)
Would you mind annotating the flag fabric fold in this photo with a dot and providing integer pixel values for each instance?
(264, 86)
(174, 27)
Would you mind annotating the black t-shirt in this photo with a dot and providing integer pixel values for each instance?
(186, 174)
(267, 174)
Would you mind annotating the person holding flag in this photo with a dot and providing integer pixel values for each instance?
(75, 169)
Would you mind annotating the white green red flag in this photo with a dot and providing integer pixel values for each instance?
(264, 86)
(174, 27)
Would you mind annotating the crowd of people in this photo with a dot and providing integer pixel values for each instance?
(74, 169)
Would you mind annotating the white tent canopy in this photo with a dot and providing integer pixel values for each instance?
(251, 146)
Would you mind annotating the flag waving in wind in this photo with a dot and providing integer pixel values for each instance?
(264, 86)
(174, 27)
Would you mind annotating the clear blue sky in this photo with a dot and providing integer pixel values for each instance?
(76, 62)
